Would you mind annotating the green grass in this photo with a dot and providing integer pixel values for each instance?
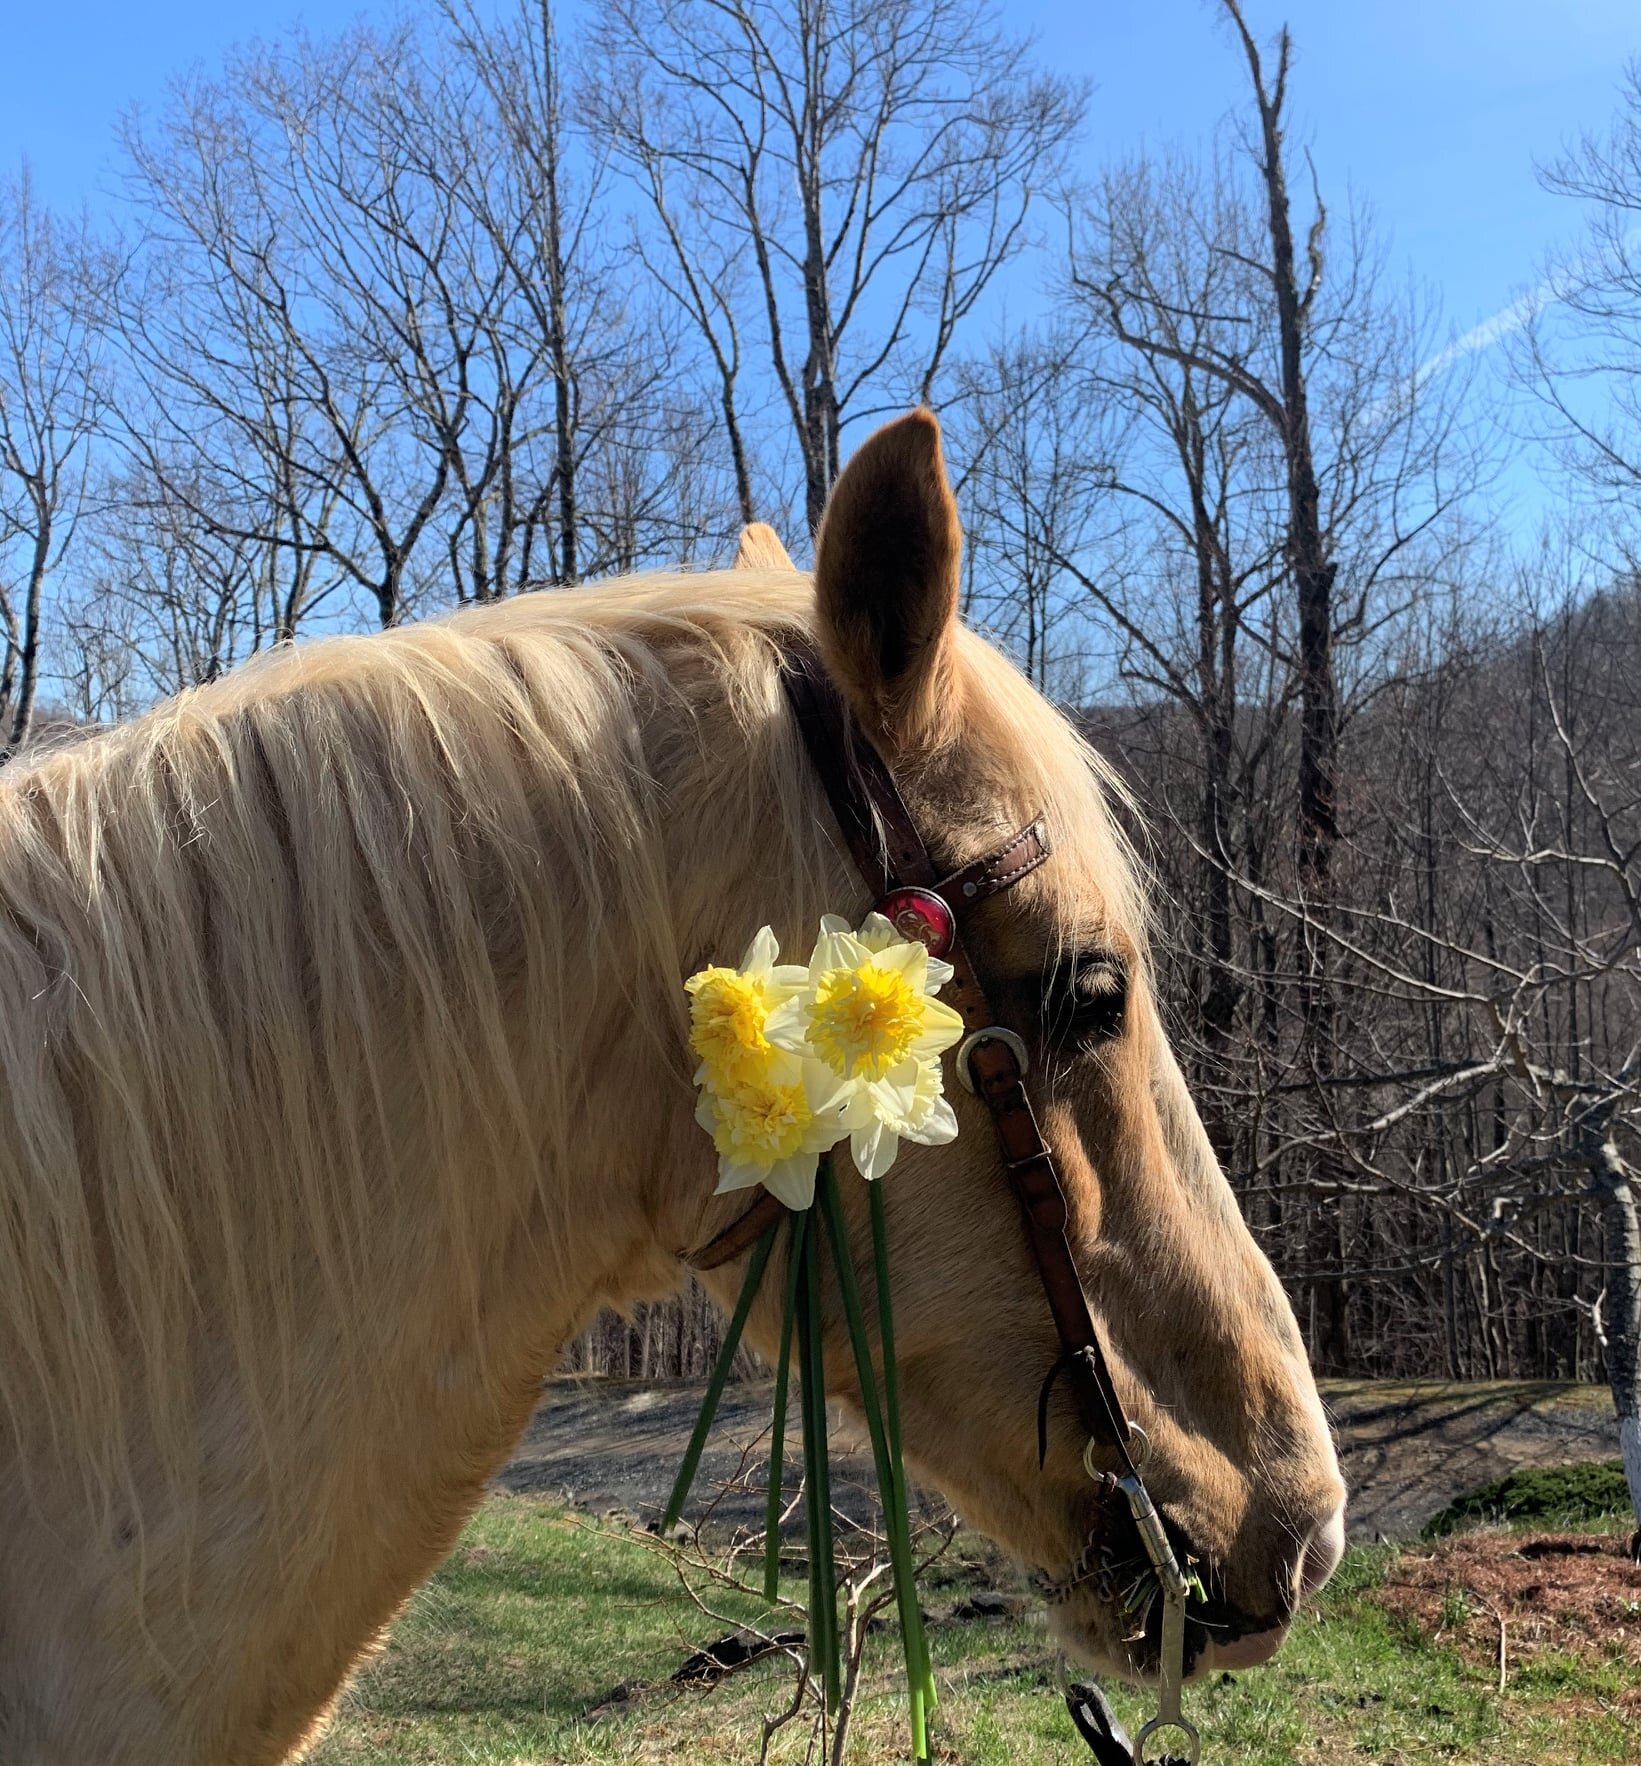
(536, 1616)
(1541, 1496)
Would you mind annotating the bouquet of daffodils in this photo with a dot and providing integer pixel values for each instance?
(795, 1060)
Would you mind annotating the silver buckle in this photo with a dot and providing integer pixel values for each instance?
(992, 1033)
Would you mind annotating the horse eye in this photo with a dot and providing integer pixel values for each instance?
(1086, 999)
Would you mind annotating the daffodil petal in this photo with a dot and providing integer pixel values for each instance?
(937, 1127)
(836, 949)
(941, 1028)
(876, 933)
(895, 1096)
(793, 1180)
(825, 1091)
(940, 972)
(857, 1108)
(787, 1027)
(734, 1175)
(761, 952)
(906, 958)
(873, 1150)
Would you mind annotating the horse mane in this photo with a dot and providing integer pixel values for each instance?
(240, 932)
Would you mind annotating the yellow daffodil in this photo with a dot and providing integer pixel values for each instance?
(791, 1061)
(869, 1016)
(773, 1130)
(729, 1011)
(771, 1112)
(869, 1006)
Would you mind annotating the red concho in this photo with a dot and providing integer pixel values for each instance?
(920, 914)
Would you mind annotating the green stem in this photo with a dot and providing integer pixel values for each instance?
(891, 1397)
(720, 1375)
(886, 1325)
(777, 1431)
(823, 1616)
(817, 1622)
(891, 1481)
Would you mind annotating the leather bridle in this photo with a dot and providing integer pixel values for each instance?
(992, 1062)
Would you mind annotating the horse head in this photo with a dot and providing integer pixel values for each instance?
(1204, 1349)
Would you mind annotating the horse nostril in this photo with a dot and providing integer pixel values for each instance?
(1322, 1553)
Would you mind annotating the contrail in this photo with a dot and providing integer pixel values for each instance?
(1508, 320)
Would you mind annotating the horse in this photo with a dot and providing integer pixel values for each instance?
(344, 1076)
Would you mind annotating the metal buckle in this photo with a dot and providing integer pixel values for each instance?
(1193, 1743)
(991, 1033)
(1139, 1453)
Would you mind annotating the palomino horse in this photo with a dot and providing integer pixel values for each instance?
(345, 1074)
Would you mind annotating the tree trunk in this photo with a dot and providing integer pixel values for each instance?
(558, 341)
(1313, 573)
(737, 454)
(28, 650)
(1623, 1231)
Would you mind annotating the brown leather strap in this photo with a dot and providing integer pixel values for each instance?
(996, 871)
(878, 827)
(891, 855)
(742, 1233)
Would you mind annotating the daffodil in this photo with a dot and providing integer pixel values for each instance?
(869, 1016)
(791, 1061)
(908, 1104)
(771, 1112)
(773, 1129)
(729, 1012)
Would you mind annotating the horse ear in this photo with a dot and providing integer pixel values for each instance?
(886, 580)
(761, 549)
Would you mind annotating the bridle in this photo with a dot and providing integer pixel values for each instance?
(992, 1062)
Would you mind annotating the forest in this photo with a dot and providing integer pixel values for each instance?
(404, 318)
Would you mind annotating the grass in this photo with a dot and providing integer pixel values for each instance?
(1594, 1493)
(537, 1616)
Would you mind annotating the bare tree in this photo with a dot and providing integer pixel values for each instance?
(51, 380)
(1290, 458)
(863, 169)
(604, 358)
(1493, 1082)
(1579, 353)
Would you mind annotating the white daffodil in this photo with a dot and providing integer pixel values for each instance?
(869, 1016)
(907, 1105)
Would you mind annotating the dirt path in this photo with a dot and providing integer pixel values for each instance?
(1408, 1449)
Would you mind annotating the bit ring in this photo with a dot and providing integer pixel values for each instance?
(1193, 1741)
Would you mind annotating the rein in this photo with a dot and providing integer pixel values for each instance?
(992, 1062)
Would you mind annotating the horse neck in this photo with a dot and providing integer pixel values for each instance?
(718, 828)
(737, 840)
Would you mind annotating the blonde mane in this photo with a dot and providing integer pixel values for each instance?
(353, 897)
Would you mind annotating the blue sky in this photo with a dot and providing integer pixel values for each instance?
(1433, 111)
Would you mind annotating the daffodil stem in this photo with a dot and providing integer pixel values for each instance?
(885, 1451)
(715, 1385)
(777, 1428)
(823, 1616)
(924, 1673)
